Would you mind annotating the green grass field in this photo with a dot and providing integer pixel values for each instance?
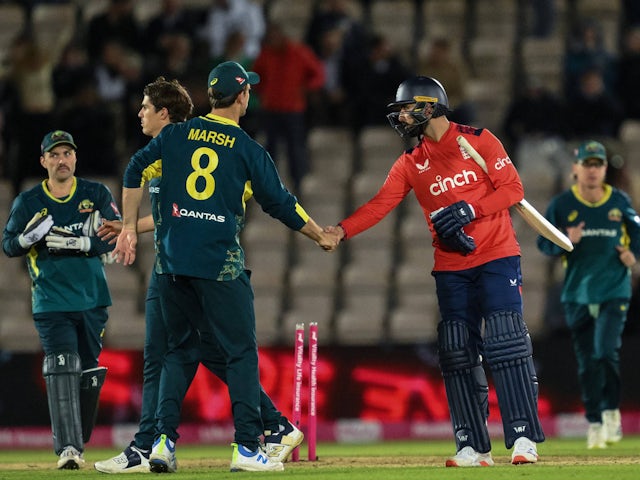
(561, 459)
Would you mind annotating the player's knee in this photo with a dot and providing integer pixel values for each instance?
(455, 351)
(61, 363)
(506, 338)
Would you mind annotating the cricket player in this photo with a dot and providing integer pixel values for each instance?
(476, 269)
(54, 226)
(210, 168)
(605, 230)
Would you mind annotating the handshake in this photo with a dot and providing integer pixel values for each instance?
(59, 241)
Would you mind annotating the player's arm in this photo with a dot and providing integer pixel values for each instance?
(110, 229)
(125, 250)
(545, 245)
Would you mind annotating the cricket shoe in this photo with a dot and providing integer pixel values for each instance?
(280, 445)
(596, 436)
(70, 459)
(163, 456)
(243, 459)
(612, 426)
(132, 460)
(468, 457)
(524, 451)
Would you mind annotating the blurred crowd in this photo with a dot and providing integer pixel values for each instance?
(339, 72)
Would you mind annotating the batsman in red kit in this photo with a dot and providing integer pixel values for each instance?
(476, 269)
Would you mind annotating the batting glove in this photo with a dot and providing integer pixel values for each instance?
(460, 242)
(448, 221)
(35, 230)
(61, 241)
(92, 224)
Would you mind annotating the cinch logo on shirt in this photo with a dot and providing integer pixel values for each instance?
(442, 185)
(502, 162)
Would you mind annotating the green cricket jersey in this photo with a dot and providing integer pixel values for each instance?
(594, 273)
(210, 168)
(63, 283)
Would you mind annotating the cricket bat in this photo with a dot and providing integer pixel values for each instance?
(528, 212)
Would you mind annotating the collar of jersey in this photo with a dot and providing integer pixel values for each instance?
(605, 197)
(60, 200)
(219, 119)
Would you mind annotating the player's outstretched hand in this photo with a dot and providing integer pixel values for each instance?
(109, 231)
(37, 228)
(63, 242)
(125, 250)
(449, 220)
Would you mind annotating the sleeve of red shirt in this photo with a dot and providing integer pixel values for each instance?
(503, 175)
(314, 68)
(393, 190)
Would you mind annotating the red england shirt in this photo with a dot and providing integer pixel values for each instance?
(441, 173)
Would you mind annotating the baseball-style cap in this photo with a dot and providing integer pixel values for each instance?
(591, 149)
(229, 78)
(55, 138)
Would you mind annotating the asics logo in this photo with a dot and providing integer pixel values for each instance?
(444, 184)
(423, 167)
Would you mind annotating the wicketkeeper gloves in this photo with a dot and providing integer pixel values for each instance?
(61, 241)
(35, 230)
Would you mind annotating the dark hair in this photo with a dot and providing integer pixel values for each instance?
(170, 95)
(216, 100)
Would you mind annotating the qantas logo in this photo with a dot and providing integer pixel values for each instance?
(423, 167)
(444, 184)
(183, 212)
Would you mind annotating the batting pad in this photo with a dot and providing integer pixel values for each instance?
(466, 386)
(91, 382)
(509, 353)
(62, 376)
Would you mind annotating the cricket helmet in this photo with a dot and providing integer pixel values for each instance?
(430, 101)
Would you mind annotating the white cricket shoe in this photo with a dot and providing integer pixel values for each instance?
(524, 451)
(70, 459)
(612, 426)
(280, 445)
(468, 457)
(131, 460)
(246, 460)
(596, 436)
(163, 456)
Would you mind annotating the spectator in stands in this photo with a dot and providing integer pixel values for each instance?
(227, 16)
(30, 76)
(173, 18)
(71, 73)
(328, 107)
(586, 51)
(290, 71)
(593, 111)
(97, 135)
(116, 23)
(535, 131)
(629, 73)
(372, 83)
(441, 63)
(331, 14)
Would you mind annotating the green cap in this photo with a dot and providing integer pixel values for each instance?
(55, 138)
(228, 78)
(591, 149)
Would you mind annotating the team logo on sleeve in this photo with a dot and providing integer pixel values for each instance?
(85, 206)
